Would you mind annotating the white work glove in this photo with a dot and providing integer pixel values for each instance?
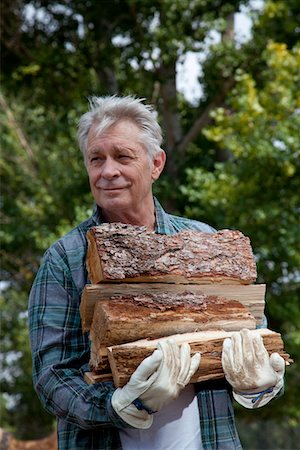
(255, 376)
(157, 381)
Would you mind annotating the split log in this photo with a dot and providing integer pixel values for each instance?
(125, 358)
(99, 359)
(127, 318)
(121, 252)
(251, 296)
(94, 377)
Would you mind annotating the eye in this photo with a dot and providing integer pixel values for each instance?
(95, 159)
(124, 157)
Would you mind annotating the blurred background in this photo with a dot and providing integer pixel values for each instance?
(224, 77)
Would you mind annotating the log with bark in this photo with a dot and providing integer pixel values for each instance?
(121, 252)
(251, 296)
(144, 294)
(125, 358)
(127, 318)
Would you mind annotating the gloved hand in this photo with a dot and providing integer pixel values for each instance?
(255, 376)
(157, 381)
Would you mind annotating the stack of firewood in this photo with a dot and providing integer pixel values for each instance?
(196, 287)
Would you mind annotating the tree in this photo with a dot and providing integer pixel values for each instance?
(37, 170)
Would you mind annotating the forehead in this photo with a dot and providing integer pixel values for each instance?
(124, 131)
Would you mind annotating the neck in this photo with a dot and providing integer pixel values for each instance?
(146, 218)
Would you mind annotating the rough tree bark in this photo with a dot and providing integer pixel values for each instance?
(120, 252)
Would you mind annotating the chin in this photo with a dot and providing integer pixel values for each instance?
(114, 204)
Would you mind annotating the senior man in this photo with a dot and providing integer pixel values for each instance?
(158, 409)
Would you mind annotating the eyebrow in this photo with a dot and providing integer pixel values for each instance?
(116, 147)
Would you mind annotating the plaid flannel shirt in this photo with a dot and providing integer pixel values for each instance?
(61, 352)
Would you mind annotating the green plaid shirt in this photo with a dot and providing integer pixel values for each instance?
(85, 418)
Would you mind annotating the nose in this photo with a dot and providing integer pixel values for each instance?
(110, 169)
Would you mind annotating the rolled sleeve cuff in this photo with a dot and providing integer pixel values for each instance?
(114, 417)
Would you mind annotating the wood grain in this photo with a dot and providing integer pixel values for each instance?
(251, 296)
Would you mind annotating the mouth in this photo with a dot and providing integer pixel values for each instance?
(113, 189)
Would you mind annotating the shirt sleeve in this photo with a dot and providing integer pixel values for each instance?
(61, 351)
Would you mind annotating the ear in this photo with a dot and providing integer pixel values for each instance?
(158, 164)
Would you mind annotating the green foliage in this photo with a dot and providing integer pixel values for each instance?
(279, 21)
(16, 379)
(38, 173)
(266, 434)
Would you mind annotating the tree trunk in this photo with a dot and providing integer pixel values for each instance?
(171, 118)
(108, 79)
(228, 33)
(204, 119)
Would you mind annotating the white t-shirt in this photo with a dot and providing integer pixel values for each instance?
(175, 427)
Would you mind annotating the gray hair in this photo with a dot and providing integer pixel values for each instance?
(107, 111)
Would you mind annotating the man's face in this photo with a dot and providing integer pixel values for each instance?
(119, 169)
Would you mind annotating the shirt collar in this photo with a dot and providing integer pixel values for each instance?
(96, 216)
(163, 224)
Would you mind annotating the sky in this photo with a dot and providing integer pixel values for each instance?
(189, 70)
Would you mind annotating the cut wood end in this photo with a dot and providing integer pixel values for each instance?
(92, 377)
(93, 262)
